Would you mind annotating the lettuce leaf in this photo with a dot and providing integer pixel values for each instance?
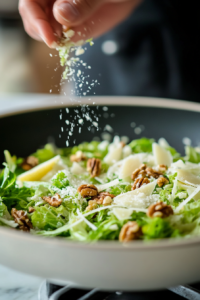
(119, 189)
(192, 155)
(142, 145)
(90, 150)
(158, 228)
(60, 180)
(45, 154)
(48, 217)
(106, 230)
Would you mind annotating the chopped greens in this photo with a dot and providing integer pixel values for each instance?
(115, 205)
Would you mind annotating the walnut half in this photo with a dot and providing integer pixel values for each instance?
(162, 181)
(21, 218)
(130, 231)
(29, 163)
(92, 204)
(54, 200)
(94, 166)
(88, 190)
(79, 156)
(102, 196)
(139, 182)
(139, 171)
(160, 209)
(153, 173)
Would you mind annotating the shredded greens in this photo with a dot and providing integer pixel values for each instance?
(121, 198)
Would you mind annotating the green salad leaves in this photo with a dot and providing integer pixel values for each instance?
(95, 197)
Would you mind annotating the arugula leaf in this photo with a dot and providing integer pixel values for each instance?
(11, 161)
(141, 145)
(7, 180)
(10, 193)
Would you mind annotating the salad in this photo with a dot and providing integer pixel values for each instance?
(103, 191)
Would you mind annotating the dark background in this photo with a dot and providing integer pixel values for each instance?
(157, 55)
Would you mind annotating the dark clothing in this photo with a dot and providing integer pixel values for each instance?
(158, 53)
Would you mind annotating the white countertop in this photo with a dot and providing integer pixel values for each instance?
(18, 286)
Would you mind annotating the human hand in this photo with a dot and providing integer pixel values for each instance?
(43, 19)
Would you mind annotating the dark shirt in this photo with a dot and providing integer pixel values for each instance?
(158, 53)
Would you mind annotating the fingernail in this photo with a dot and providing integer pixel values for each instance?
(68, 12)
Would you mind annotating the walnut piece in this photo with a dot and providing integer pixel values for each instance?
(107, 200)
(31, 209)
(140, 170)
(79, 156)
(94, 167)
(88, 190)
(92, 204)
(162, 181)
(29, 163)
(130, 231)
(21, 218)
(122, 144)
(101, 197)
(153, 173)
(54, 200)
(160, 209)
(139, 182)
(162, 168)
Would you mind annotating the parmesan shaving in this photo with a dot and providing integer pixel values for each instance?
(161, 155)
(107, 185)
(197, 190)
(86, 221)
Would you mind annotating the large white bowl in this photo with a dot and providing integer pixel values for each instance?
(105, 265)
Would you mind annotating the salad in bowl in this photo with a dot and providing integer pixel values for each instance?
(140, 190)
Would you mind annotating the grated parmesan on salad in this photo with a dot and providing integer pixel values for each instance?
(103, 191)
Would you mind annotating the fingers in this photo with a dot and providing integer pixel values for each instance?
(74, 12)
(36, 21)
(104, 19)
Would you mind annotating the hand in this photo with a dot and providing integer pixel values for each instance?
(43, 19)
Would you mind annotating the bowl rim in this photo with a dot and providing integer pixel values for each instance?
(41, 103)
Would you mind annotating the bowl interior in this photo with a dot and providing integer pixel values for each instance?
(23, 133)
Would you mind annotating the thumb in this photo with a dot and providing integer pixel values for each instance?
(74, 12)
